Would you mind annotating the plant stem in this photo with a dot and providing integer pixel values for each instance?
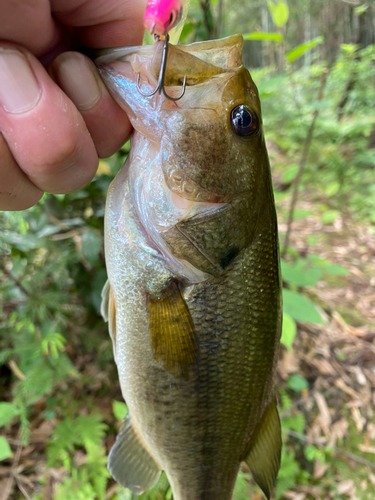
(304, 156)
(15, 280)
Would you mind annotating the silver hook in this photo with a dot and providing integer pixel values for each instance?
(160, 86)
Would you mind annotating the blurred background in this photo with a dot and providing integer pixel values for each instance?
(60, 402)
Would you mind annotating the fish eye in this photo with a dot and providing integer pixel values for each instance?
(244, 120)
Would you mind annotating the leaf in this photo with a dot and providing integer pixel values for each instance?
(186, 30)
(289, 331)
(336, 270)
(302, 213)
(349, 47)
(97, 287)
(289, 174)
(52, 343)
(23, 242)
(7, 412)
(298, 51)
(91, 245)
(331, 189)
(299, 274)
(313, 453)
(241, 489)
(120, 410)
(258, 35)
(5, 451)
(289, 469)
(295, 423)
(330, 216)
(300, 308)
(272, 85)
(297, 383)
(361, 9)
(279, 12)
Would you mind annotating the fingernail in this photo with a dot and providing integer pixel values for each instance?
(19, 89)
(76, 77)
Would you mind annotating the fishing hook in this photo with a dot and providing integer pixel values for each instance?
(161, 85)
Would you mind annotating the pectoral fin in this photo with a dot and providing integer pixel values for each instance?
(130, 463)
(105, 299)
(172, 332)
(108, 311)
(265, 452)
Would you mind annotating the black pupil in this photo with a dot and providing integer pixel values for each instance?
(244, 120)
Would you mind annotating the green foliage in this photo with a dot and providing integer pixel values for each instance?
(120, 410)
(5, 451)
(300, 50)
(340, 162)
(256, 35)
(289, 471)
(300, 273)
(7, 412)
(300, 307)
(89, 477)
(297, 383)
(279, 11)
(289, 331)
(51, 275)
(289, 174)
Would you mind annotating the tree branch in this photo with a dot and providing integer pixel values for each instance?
(304, 156)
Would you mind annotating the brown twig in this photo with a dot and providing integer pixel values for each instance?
(219, 19)
(22, 489)
(9, 487)
(304, 156)
(15, 280)
(15, 369)
(207, 17)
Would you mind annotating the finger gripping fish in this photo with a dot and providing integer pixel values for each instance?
(193, 297)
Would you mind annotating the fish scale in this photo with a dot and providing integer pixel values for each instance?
(195, 286)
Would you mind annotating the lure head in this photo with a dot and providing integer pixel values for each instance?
(162, 15)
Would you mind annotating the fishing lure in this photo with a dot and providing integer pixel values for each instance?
(161, 17)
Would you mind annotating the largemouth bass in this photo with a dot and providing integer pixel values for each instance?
(193, 297)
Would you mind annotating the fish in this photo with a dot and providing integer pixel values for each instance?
(193, 297)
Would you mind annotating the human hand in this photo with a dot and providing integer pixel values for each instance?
(55, 125)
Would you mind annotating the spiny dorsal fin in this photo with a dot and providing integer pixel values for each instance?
(265, 452)
(130, 463)
(172, 332)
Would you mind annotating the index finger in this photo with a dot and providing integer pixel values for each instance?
(103, 23)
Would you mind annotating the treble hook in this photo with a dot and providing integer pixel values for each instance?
(160, 86)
